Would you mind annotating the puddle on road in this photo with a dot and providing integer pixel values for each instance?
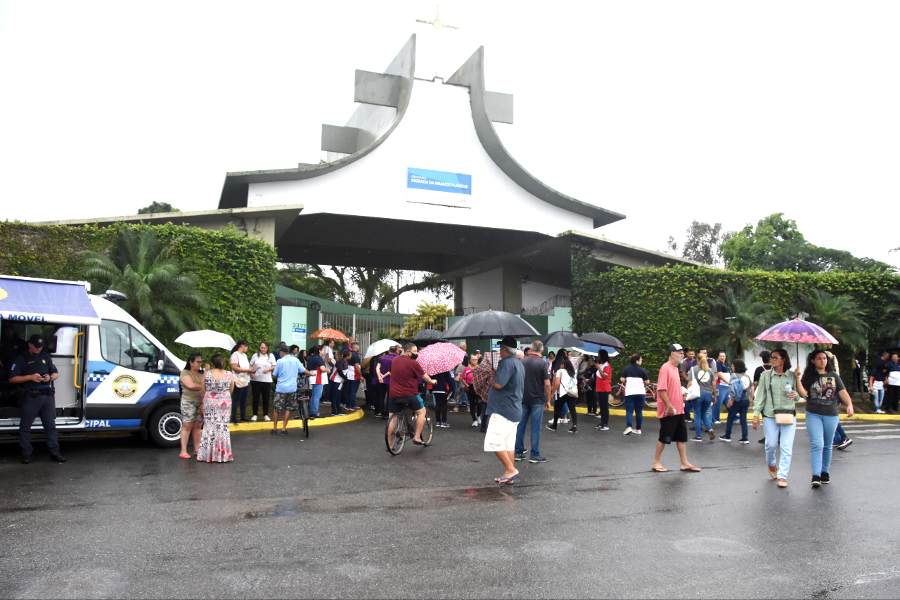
(426, 500)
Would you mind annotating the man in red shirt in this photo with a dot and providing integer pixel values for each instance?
(670, 410)
(406, 374)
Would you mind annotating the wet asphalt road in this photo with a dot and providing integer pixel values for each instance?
(336, 516)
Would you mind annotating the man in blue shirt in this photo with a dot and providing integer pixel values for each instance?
(287, 369)
(504, 410)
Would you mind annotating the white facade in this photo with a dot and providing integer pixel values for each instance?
(438, 122)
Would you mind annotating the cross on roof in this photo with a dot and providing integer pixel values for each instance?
(437, 23)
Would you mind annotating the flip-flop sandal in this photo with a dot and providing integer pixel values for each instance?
(184, 455)
(662, 470)
(507, 480)
(692, 470)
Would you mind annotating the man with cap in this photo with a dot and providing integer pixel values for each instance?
(670, 410)
(35, 372)
(504, 409)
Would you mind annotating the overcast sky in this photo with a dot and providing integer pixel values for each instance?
(666, 111)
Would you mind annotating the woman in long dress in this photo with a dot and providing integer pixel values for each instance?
(215, 441)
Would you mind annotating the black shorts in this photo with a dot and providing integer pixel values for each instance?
(672, 429)
(413, 403)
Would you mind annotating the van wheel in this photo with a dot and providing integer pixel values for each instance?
(165, 426)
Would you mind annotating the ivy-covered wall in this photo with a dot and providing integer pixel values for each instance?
(235, 273)
(650, 308)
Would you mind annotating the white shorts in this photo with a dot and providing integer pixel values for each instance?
(501, 434)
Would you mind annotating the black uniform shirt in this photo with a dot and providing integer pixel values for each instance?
(28, 364)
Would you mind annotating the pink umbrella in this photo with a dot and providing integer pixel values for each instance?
(799, 332)
(440, 357)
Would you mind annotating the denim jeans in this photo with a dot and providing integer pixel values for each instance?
(349, 393)
(533, 413)
(702, 413)
(821, 430)
(839, 434)
(738, 410)
(634, 404)
(315, 396)
(878, 398)
(779, 437)
(721, 399)
(462, 398)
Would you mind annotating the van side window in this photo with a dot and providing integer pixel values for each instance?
(122, 344)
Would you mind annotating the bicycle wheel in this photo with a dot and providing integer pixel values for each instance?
(650, 397)
(428, 430)
(395, 445)
(617, 398)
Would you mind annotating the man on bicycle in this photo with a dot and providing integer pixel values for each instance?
(406, 374)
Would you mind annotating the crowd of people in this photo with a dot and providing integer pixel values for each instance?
(506, 401)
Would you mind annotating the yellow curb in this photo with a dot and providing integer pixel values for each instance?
(356, 415)
(618, 412)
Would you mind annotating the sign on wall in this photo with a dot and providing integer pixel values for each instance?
(293, 325)
(438, 181)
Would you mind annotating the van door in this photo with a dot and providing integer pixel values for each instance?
(68, 355)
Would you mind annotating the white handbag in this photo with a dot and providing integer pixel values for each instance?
(693, 390)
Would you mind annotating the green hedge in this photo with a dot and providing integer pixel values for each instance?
(652, 307)
(234, 272)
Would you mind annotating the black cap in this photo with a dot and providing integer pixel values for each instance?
(510, 342)
(36, 340)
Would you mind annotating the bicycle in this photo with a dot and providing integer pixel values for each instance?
(617, 398)
(404, 424)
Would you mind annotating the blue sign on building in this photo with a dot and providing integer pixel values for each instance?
(440, 181)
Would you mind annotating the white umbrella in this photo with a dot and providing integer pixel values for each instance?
(206, 338)
(379, 347)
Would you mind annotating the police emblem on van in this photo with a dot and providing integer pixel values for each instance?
(124, 386)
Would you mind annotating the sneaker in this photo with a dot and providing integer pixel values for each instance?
(564, 420)
(717, 422)
(536, 460)
(826, 478)
(724, 439)
(573, 429)
(550, 422)
(628, 431)
(688, 420)
(602, 428)
(816, 481)
(475, 423)
(56, 456)
(761, 440)
(253, 419)
(267, 418)
(782, 483)
(520, 456)
(697, 438)
(745, 441)
(551, 427)
(275, 432)
(879, 412)
(284, 432)
(712, 435)
(637, 432)
(843, 445)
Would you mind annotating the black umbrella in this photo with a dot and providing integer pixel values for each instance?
(604, 339)
(561, 339)
(428, 335)
(490, 324)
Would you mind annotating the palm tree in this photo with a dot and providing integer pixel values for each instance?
(159, 294)
(735, 319)
(841, 316)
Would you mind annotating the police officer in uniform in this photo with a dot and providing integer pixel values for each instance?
(35, 373)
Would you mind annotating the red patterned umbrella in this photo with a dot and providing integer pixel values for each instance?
(797, 331)
(440, 357)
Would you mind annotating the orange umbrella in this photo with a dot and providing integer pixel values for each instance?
(329, 334)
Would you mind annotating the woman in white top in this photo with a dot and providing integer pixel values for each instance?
(565, 387)
(262, 364)
(240, 366)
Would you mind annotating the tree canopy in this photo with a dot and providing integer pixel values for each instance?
(776, 244)
(157, 207)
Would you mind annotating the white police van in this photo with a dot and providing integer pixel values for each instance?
(113, 374)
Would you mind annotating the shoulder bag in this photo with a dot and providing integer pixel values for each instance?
(783, 416)
(693, 390)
